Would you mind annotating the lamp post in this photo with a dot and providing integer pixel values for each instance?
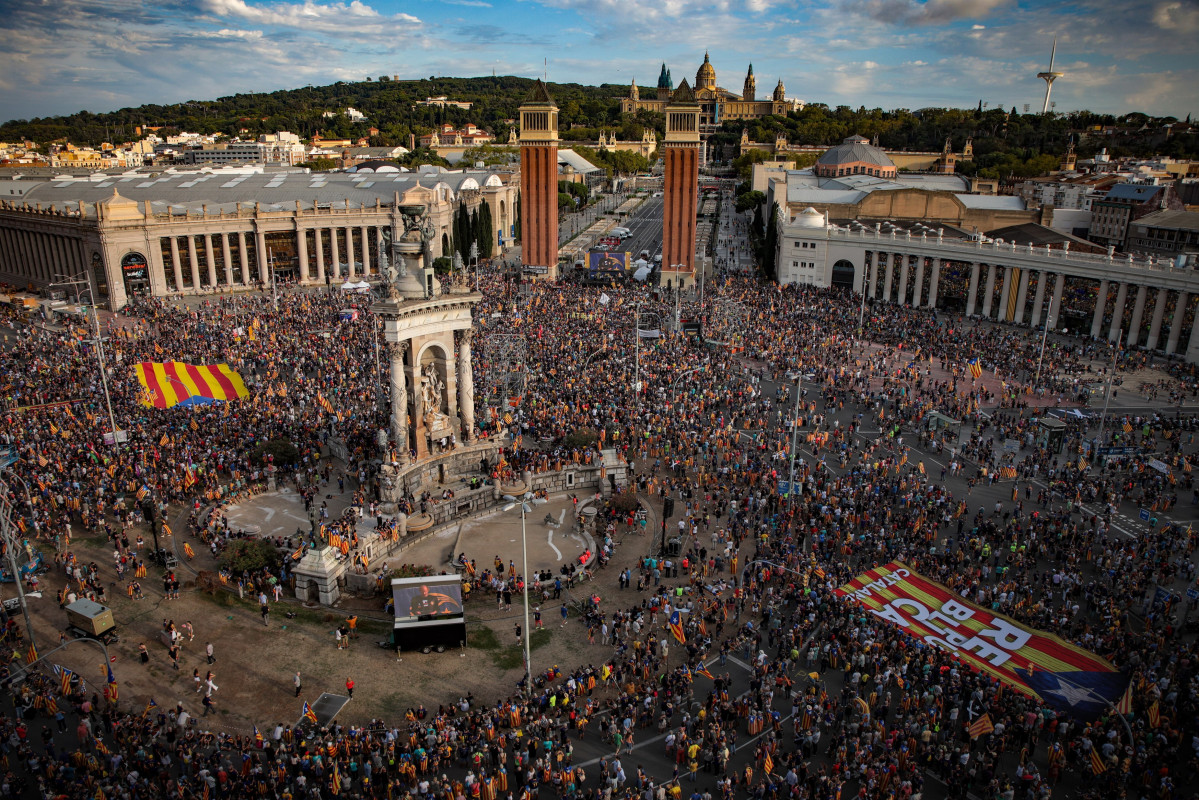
(85, 281)
(474, 254)
(1044, 336)
(1107, 396)
(794, 435)
(10, 545)
(270, 258)
(525, 508)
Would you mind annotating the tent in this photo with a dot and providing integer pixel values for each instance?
(361, 287)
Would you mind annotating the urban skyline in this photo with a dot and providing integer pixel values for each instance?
(108, 54)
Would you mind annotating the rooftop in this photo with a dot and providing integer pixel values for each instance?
(1171, 220)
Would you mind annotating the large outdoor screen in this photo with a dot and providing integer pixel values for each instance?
(430, 600)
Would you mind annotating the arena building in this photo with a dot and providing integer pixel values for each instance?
(218, 230)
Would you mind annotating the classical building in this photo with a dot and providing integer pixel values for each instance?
(539, 182)
(1147, 302)
(716, 104)
(220, 230)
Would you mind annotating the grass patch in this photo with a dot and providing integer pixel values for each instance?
(392, 705)
(513, 657)
(482, 637)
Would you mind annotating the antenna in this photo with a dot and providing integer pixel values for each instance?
(1049, 77)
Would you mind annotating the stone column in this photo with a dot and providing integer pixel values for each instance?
(972, 290)
(1113, 330)
(227, 256)
(366, 252)
(903, 278)
(350, 274)
(399, 400)
(333, 237)
(918, 289)
(989, 292)
(264, 263)
(302, 249)
(1004, 288)
(320, 254)
(1038, 300)
(175, 264)
(889, 277)
(243, 258)
(209, 258)
(1180, 307)
(1192, 354)
(1055, 305)
(466, 386)
(1021, 297)
(1138, 315)
(932, 283)
(193, 261)
(1100, 307)
(871, 287)
(1155, 325)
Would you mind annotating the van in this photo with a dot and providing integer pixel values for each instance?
(658, 259)
(644, 255)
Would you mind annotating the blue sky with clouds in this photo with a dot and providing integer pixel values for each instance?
(59, 56)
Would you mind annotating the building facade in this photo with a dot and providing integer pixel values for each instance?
(220, 231)
(680, 185)
(1166, 233)
(1145, 302)
(539, 182)
(1123, 204)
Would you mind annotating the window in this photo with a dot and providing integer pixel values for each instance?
(795, 263)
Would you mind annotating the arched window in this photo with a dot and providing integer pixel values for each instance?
(843, 274)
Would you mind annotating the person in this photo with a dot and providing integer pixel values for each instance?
(207, 702)
(208, 649)
(350, 687)
(144, 655)
(266, 611)
(296, 681)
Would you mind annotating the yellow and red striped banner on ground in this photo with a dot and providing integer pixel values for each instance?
(172, 383)
(1035, 663)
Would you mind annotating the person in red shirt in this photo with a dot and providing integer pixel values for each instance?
(350, 687)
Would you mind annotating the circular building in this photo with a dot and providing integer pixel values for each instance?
(854, 156)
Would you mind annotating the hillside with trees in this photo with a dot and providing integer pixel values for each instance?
(1005, 142)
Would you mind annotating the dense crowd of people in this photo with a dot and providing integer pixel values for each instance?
(838, 701)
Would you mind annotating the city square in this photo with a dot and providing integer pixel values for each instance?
(730, 477)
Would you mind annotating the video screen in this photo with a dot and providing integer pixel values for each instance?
(429, 599)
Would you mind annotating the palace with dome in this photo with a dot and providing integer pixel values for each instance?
(716, 104)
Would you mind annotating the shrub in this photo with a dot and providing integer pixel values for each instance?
(249, 554)
(282, 449)
(583, 437)
(623, 503)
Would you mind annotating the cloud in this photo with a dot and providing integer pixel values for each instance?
(1178, 16)
(929, 12)
(471, 3)
(226, 33)
(306, 16)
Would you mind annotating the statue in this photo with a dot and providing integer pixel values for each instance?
(432, 400)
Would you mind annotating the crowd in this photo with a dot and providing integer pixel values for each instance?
(838, 701)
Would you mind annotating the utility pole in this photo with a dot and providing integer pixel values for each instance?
(86, 281)
(270, 258)
(1107, 397)
(794, 436)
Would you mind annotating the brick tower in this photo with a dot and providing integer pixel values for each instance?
(539, 182)
(681, 187)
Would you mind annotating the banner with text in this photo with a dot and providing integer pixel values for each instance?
(1036, 663)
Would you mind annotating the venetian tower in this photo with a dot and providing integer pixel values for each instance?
(539, 181)
(681, 186)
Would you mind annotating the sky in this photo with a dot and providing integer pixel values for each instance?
(62, 56)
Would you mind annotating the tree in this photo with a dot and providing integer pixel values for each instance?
(486, 238)
(249, 555)
(771, 243)
(749, 200)
(744, 163)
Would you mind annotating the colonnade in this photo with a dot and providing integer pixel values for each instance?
(1014, 283)
(347, 244)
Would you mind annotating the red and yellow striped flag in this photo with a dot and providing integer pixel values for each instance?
(172, 383)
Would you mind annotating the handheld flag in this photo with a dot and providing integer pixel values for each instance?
(1097, 765)
(112, 686)
(257, 735)
(702, 670)
(149, 706)
(980, 726)
(676, 627)
(307, 713)
(31, 656)
(976, 369)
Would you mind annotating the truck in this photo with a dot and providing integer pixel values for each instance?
(88, 619)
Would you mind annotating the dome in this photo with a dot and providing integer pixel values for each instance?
(855, 155)
(780, 94)
(809, 218)
(705, 78)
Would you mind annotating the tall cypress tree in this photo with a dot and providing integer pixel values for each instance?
(486, 228)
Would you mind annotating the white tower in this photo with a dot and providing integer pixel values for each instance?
(1049, 76)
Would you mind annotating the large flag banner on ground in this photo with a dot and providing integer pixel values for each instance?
(173, 383)
(1036, 663)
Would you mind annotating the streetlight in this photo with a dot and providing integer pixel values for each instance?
(10, 545)
(794, 435)
(1044, 336)
(525, 508)
(474, 254)
(640, 318)
(77, 282)
(1107, 396)
(270, 257)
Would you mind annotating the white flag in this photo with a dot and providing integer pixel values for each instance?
(604, 299)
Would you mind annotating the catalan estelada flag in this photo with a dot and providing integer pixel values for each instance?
(976, 369)
(1033, 662)
(171, 383)
(676, 627)
(307, 713)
